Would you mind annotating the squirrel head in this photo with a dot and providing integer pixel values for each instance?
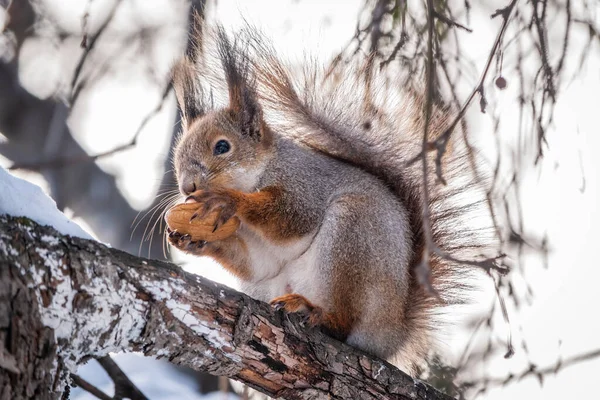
(223, 148)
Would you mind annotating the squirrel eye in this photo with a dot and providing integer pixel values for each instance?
(221, 147)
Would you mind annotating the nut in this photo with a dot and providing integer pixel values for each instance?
(178, 219)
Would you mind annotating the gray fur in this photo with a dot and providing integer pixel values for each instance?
(350, 218)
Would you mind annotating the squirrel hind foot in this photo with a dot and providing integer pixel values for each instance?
(314, 315)
(293, 303)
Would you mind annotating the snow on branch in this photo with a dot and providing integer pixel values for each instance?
(64, 300)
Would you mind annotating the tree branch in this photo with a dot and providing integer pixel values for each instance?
(441, 142)
(66, 161)
(124, 388)
(88, 387)
(64, 300)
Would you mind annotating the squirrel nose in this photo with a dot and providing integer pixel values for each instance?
(187, 184)
(187, 188)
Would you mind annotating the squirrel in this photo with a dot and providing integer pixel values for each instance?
(331, 214)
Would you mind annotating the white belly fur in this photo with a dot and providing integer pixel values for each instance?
(280, 269)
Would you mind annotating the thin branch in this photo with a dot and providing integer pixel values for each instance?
(450, 22)
(488, 264)
(124, 388)
(84, 24)
(423, 269)
(88, 387)
(534, 371)
(65, 161)
(441, 142)
(89, 44)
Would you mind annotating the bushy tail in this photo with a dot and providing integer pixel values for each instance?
(359, 116)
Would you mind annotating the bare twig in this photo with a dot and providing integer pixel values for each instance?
(450, 22)
(84, 24)
(88, 387)
(89, 46)
(510, 351)
(441, 143)
(535, 371)
(62, 162)
(379, 11)
(488, 264)
(423, 269)
(124, 388)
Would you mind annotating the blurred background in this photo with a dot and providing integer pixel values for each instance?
(87, 113)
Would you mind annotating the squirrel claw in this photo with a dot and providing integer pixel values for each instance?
(293, 303)
(184, 242)
(309, 313)
(225, 215)
(214, 202)
(201, 213)
(191, 246)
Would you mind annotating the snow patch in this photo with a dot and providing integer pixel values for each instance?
(379, 371)
(51, 240)
(181, 312)
(24, 199)
(57, 314)
(7, 250)
(167, 291)
(161, 290)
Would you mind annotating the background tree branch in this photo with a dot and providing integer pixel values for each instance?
(65, 300)
(39, 138)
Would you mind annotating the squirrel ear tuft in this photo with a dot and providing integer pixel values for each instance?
(188, 90)
(243, 101)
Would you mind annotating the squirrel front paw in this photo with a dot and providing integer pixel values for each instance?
(220, 203)
(184, 242)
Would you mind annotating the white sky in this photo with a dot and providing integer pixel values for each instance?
(565, 294)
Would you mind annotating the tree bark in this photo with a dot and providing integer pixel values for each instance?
(64, 300)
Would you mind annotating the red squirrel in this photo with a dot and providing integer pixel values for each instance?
(331, 212)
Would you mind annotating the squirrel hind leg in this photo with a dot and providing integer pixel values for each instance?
(369, 279)
(394, 343)
(293, 303)
(333, 324)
